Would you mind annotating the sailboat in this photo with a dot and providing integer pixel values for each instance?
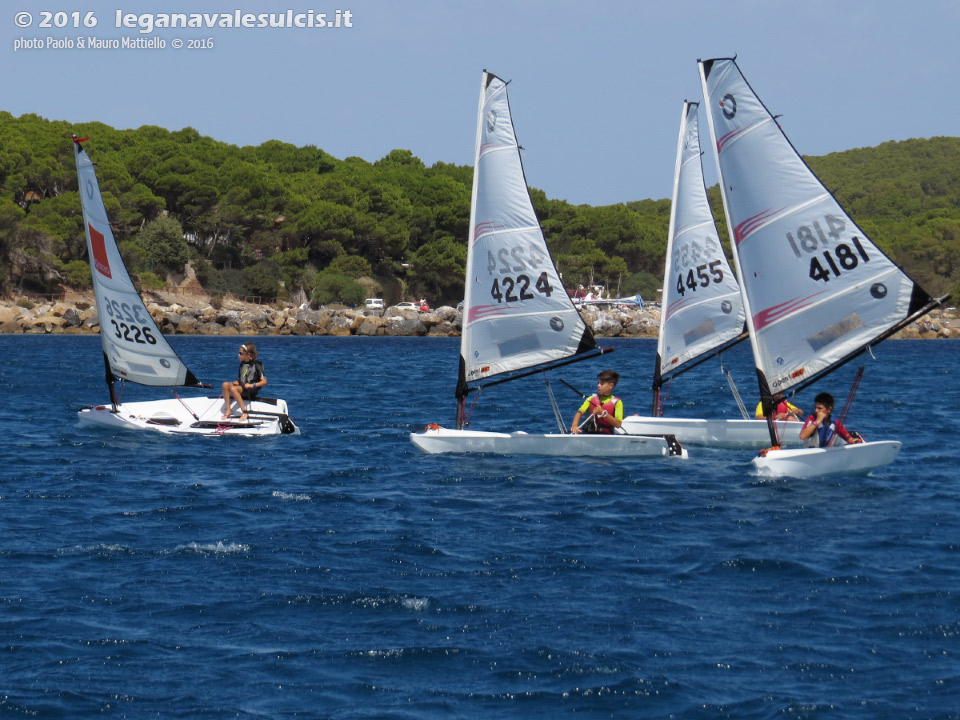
(816, 290)
(134, 349)
(702, 312)
(517, 318)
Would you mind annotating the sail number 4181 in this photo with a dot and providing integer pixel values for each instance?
(832, 262)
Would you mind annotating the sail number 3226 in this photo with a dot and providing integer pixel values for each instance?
(127, 323)
(832, 261)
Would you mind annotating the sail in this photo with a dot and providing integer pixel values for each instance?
(701, 309)
(516, 312)
(817, 290)
(133, 345)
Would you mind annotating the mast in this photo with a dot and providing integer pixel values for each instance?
(462, 387)
(765, 395)
(667, 264)
(111, 386)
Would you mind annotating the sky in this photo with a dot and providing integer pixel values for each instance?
(596, 86)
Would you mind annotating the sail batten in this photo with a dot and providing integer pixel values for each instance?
(134, 348)
(817, 290)
(517, 314)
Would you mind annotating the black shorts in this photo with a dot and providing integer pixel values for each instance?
(249, 394)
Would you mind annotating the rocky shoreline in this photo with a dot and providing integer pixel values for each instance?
(179, 314)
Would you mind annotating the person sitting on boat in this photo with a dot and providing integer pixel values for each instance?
(606, 410)
(785, 410)
(820, 430)
(250, 379)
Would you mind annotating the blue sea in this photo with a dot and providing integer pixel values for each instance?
(341, 574)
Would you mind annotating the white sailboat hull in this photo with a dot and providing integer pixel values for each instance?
(729, 434)
(266, 416)
(856, 459)
(443, 440)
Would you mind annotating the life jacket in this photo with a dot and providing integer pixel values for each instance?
(250, 372)
(782, 407)
(826, 435)
(603, 424)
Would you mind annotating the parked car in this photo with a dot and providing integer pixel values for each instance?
(408, 306)
(373, 304)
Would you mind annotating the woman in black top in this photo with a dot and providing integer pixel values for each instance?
(250, 379)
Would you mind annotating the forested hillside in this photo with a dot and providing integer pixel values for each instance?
(278, 220)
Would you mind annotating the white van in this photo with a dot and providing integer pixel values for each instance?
(373, 304)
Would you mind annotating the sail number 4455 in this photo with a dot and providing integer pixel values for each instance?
(701, 279)
(832, 262)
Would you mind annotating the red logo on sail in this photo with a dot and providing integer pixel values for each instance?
(99, 252)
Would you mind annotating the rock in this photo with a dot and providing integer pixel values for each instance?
(429, 319)
(247, 327)
(299, 327)
(444, 329)
(187, 314)
(606, 325)
(370, 327)
(90, 319)
(447, 314)
(405, 326)
(72, 318)
(229, 318)
(209, 328)
(340, 326)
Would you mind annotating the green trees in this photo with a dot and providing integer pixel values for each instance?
(276, 219)
(162, 245)
(437, 267)
(332, 287)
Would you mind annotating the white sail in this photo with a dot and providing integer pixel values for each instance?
(516, 312)
(133, 345)
(701, 308)
(817, 290)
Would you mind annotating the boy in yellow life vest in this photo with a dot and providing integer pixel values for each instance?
(605, 408)
(784, 409)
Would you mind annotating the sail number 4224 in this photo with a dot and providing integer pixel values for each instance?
(833, 261)
(510, 289)
(514, 284)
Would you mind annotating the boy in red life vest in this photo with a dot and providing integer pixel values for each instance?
(820, 430)
(606, 409)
